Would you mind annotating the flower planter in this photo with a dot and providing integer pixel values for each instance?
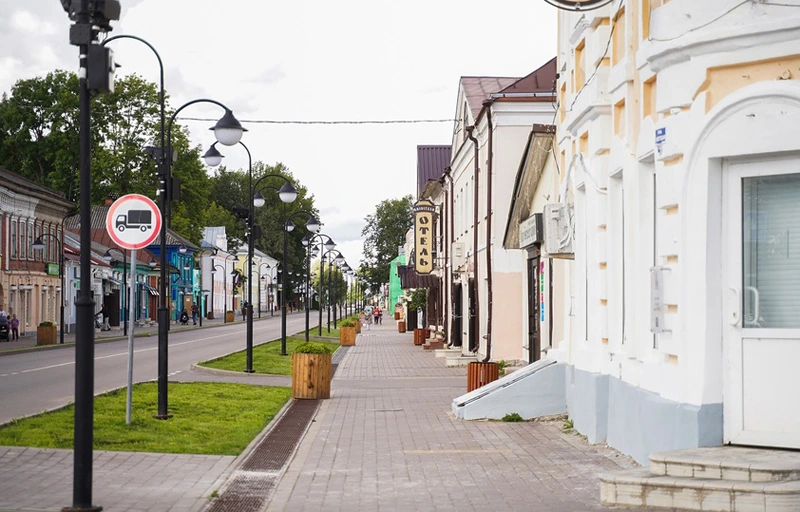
(397, 315)
(229, 316)
(420, 335)
(210, 315)
(480, 374)
(358, 327)
(347, 336)
(401, 326)
(311, 376)
(46, 335)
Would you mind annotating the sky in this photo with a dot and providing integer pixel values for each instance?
(308, 60)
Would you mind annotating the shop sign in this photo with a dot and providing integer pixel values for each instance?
(52, 269)
(530, 231)
(578, 5)
(423, 236)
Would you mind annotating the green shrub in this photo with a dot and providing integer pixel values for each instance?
(313, 348)
(46, 324)
(513, 417)
(347, 322)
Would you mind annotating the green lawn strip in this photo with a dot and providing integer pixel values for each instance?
(267, 358)
(209, 418)
(325, 334)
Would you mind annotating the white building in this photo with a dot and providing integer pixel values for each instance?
(677, 131)
(495, 116)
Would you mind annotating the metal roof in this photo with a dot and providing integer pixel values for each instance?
(431, 163)
(478, 88)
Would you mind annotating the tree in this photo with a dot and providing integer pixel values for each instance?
(384, 233)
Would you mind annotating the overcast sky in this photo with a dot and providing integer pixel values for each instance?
(308, 60)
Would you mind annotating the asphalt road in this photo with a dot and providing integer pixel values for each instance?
(38, 381)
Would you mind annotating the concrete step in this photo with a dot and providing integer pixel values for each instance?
(447, 352)
(460, 360)
(728, 463)
(433, 344)
(639, 488)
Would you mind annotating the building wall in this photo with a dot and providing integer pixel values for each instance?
(718, 81)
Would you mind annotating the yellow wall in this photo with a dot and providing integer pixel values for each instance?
(723, 80)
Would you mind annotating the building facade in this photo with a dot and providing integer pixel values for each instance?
(676, 140)
(30, 286)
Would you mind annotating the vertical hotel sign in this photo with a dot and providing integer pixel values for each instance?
(423, 236)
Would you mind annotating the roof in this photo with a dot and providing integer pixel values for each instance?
(478, 88)
(529, 172)
(540, 80)
(17, 182)
(431, 163)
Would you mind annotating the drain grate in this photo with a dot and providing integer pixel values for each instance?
(339, 355)
(251, 486)
(276, 448)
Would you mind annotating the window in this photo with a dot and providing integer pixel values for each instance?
(23, 237)
(38, 255)
(13, 238)
(618, 38)
(30, 241)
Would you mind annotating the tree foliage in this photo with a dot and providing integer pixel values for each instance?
(384, 233)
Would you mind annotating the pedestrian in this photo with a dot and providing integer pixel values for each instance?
(3, 313)
(376, 313)
(380, 316)
(14, 327)
(184, 317)
(104, 314)
(244, 310)
(195, 313)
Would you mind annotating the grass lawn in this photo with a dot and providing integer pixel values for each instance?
(209, 418)
(325, 334)
(267, 358)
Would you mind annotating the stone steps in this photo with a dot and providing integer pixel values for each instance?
(447, 352)
(460, 360)
(719, 479)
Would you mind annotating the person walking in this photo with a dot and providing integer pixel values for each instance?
(195, 313)
(376, 314)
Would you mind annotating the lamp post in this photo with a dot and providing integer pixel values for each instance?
(313, 226)
(331, 296)
(308, 242)
(261, 278)
(38, 245)
(287, 194)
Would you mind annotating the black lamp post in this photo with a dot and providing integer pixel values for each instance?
(308, 242)
(38, 245)
(313, 226)
(331, 301)
(288, 194)
(261, 278)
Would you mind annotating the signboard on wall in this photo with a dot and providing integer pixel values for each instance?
(424, 212)
(530, 231)
(52, 269)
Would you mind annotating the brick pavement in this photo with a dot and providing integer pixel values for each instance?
(41, 479)
(386, 440)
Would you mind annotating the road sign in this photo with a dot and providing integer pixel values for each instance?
(133, 221)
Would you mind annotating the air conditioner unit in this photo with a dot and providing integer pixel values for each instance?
(558, 233)
(457, 255)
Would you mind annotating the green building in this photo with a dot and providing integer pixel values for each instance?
(395, 291)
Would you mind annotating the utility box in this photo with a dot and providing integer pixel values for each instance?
(101, 69)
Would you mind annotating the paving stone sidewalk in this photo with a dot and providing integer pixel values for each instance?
(386, 440)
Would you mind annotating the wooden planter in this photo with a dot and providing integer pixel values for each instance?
(229, 316)
(480, 374)
(401, 326)
(397, 315)
(311, 376)
(358, 327)
(347, 336)
(46, 335)
(420, 335)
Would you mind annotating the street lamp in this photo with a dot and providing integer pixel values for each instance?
(261, 278)
(288, 194)
(309, 243)
(313, 226)
(38, 245)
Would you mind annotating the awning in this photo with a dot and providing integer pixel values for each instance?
(410, 279)
(151, 289)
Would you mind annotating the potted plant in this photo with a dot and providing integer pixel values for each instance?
(46, 333)
(347, 332)
(439, 335)
(357, 321)
(311, 371)
(229, 316)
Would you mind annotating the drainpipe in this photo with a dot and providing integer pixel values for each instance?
(475, 282)
(488, 105)
(445, 223)
(448, 234)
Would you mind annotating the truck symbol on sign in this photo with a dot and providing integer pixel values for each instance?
(141, 219)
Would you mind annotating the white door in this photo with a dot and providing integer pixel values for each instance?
(761, 302)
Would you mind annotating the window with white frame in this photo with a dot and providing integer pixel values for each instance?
(13, 238)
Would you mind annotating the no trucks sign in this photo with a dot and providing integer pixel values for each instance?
(133, 221)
